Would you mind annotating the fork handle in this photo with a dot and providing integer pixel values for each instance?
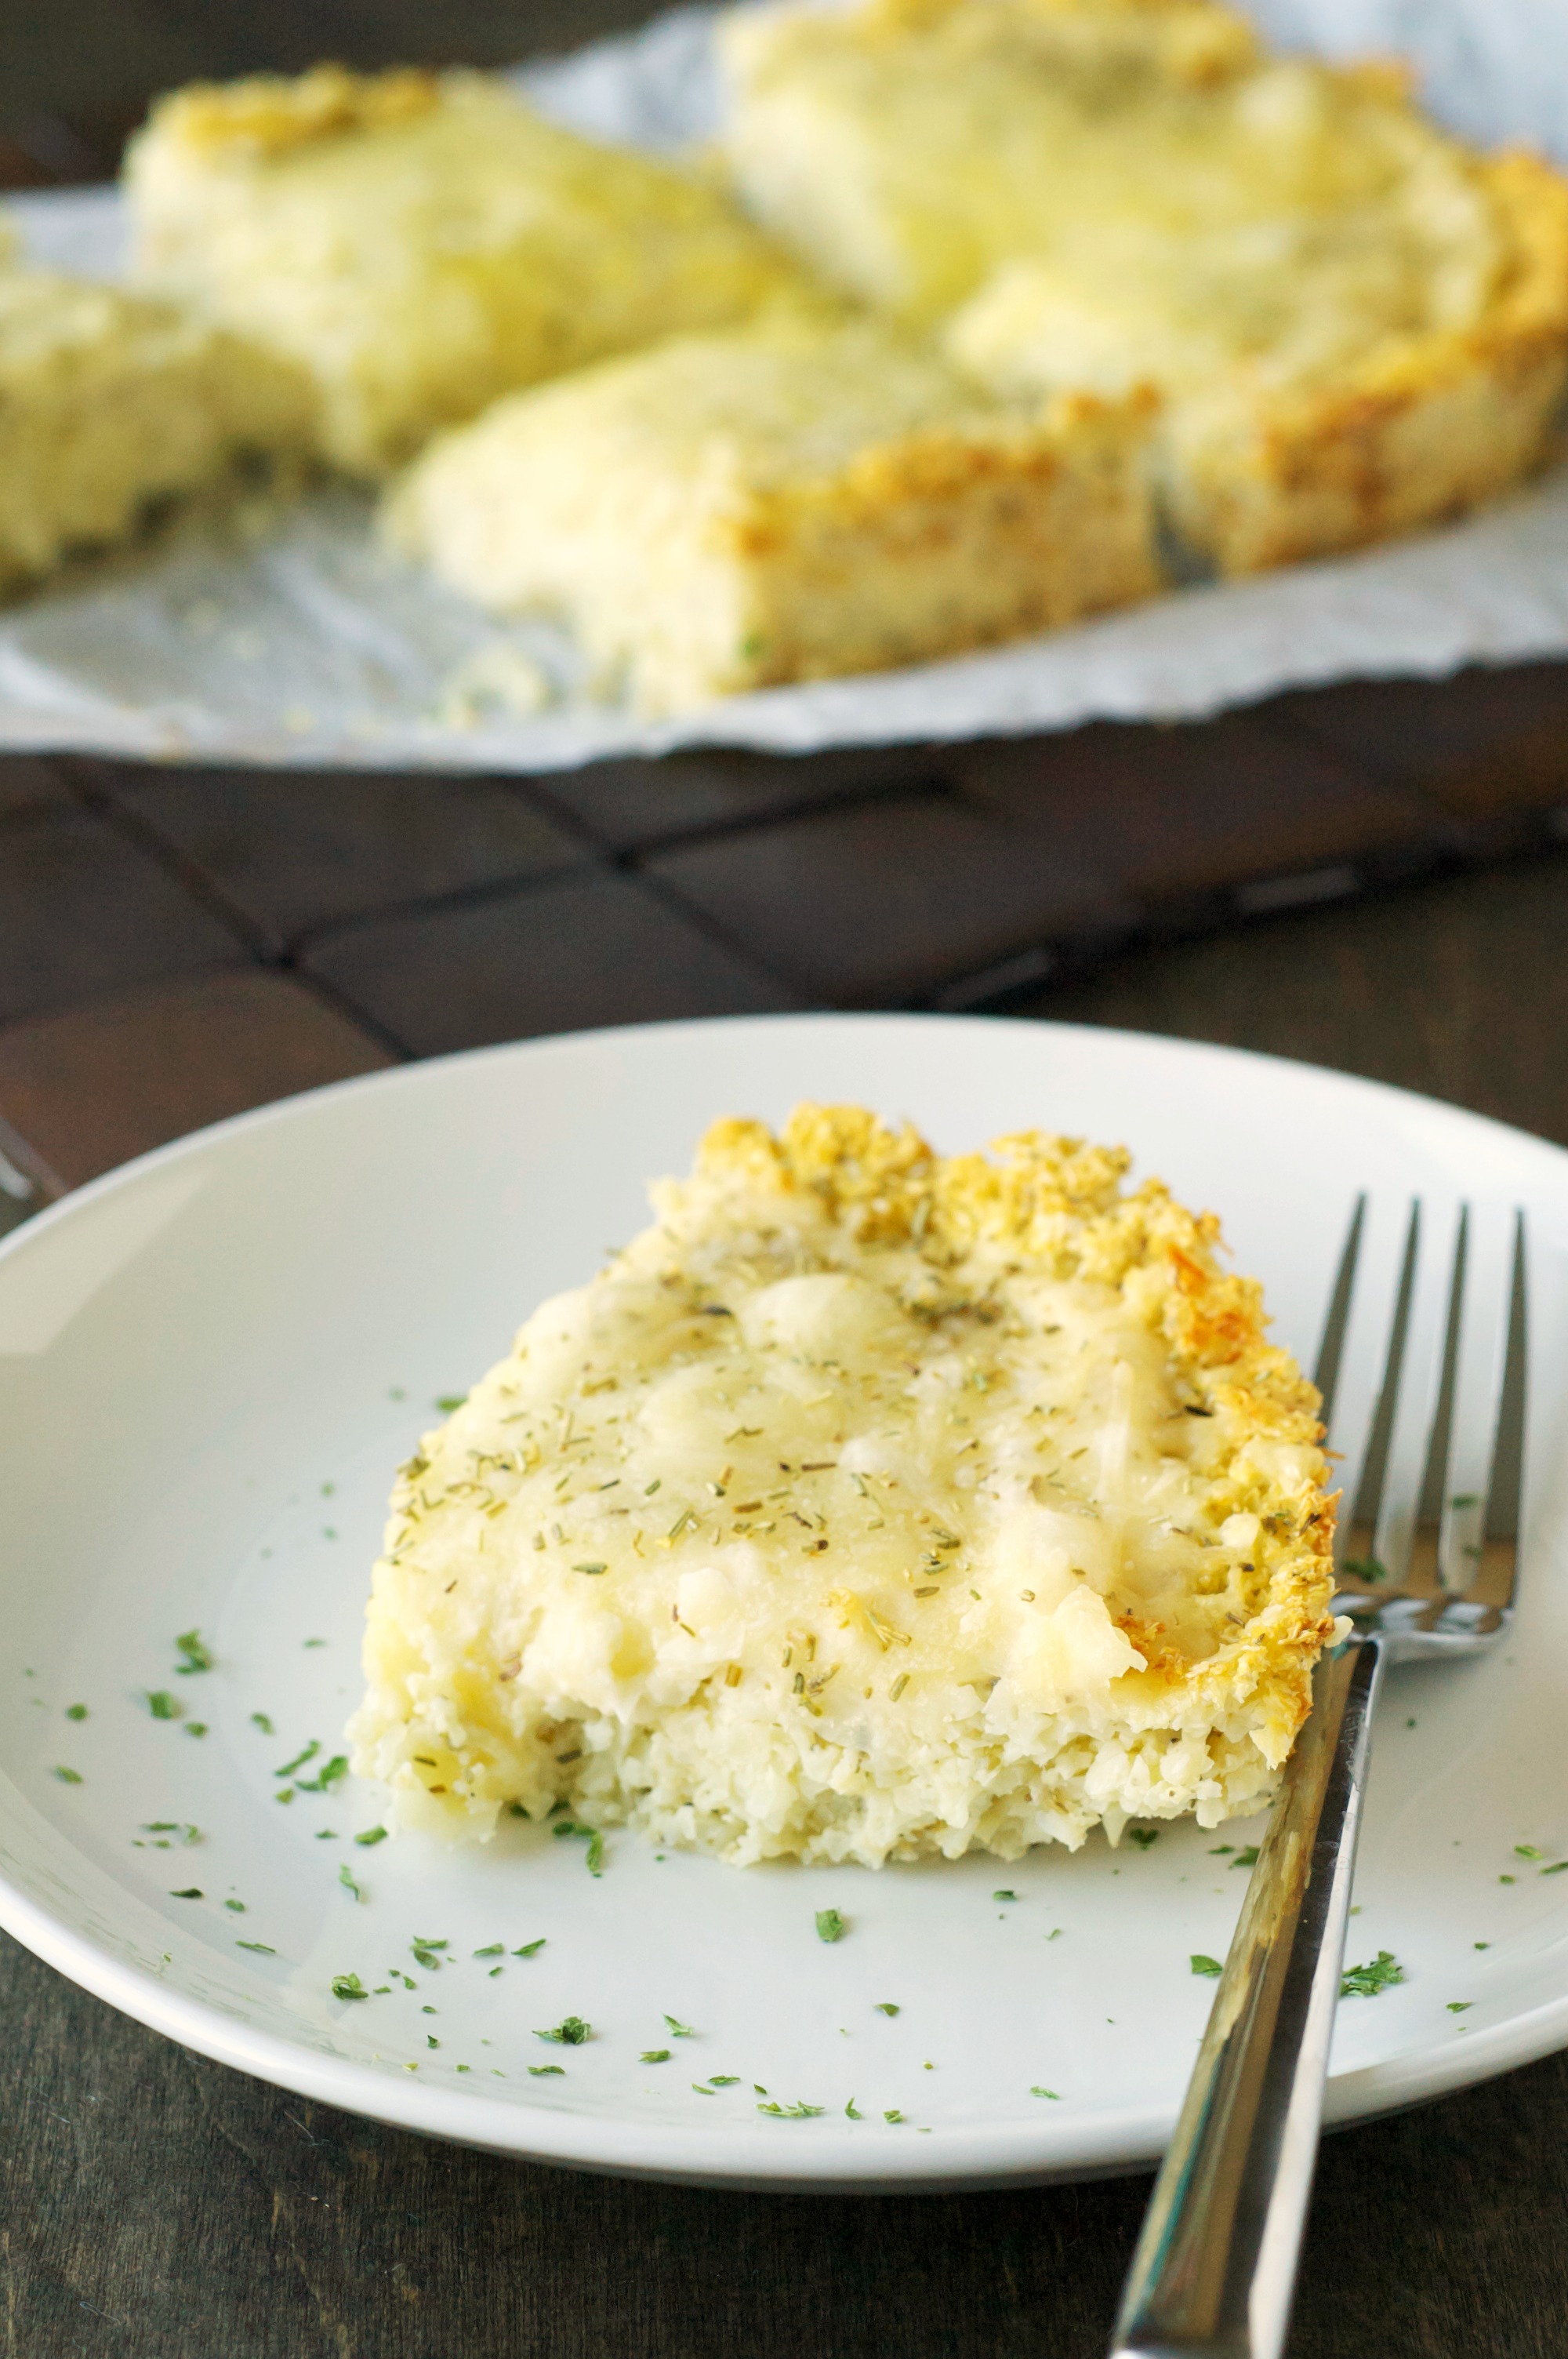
(1216, 2264)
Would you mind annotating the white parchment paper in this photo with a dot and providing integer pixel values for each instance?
(305, 645)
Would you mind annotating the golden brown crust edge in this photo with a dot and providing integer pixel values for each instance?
(1195, 41)
(264, 116)
(1427, 426)
(1058, 1202)
(1044, 519)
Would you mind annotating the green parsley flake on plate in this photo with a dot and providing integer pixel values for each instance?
(1366, 1981)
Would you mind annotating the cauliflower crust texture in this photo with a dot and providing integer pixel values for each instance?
(1423, 429)
(872, 1505)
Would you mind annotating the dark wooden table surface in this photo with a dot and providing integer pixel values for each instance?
(1372, 876)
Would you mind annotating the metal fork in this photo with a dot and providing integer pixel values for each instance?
(1422, 1368)
(27, 1183)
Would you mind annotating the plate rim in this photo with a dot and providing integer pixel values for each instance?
(972, 2156)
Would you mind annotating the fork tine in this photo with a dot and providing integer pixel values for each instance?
(1336, 1320)
(1368, 1347)
(1485, 1455)
(1505, 1508)
(1437, 1251)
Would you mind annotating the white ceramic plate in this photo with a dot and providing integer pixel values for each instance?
(209, 1363)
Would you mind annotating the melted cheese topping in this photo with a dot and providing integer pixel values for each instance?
(1289, 295)
(785, 1474)
(912, 152)
(789, 1438)
(420, 246)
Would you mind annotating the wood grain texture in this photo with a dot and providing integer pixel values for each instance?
(295, 852)
(91, 1087)
(1457, 987)
(160, 2207)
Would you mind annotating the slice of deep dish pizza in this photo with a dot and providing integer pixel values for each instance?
(413, 245)
(1355, 323)
(870, 1505)
(790, 500)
